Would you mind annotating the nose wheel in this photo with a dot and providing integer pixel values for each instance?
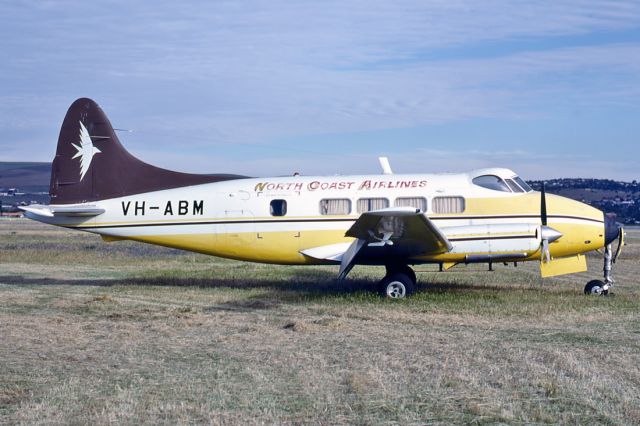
(596, 287)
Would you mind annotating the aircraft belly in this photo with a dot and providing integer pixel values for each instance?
(279, 247)
(200, 242)
(266, 247)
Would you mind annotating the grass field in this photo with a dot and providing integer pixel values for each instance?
(127, 333)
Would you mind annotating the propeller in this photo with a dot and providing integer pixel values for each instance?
(381, 242)
(547, 233)
(543, 218)
(543, 206)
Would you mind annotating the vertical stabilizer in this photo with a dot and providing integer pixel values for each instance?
(91, 164)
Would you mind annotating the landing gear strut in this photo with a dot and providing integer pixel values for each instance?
(612, 231)
(602, 287)
(399, 282)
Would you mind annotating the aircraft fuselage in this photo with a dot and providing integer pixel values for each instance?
(236, 219)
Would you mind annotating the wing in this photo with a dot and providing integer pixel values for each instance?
(387, 235)
(405, 227)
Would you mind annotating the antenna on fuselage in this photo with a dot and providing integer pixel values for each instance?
(386, 167)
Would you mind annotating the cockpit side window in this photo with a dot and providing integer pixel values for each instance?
(523, 184)
(491, 182)
(514, 187)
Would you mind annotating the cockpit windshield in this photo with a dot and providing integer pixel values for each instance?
(514, 186)
(496, 183)
(491, 182)
(522, 184)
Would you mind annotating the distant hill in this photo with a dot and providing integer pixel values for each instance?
(28, 177)
(610, 196)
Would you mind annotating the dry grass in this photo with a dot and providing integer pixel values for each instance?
(126, 333)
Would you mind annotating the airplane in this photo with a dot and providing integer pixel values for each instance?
(393, 220)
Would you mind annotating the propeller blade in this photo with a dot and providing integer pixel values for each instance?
(545, 251)
(543, 205)
(620, 244)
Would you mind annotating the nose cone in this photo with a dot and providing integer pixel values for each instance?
(611, 229)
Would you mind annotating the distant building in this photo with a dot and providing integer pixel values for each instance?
(13, 192)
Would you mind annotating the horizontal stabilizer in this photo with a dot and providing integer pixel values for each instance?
(63, 211)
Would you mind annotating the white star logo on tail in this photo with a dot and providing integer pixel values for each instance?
(86, 150)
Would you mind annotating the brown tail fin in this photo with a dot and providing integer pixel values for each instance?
(91, 164)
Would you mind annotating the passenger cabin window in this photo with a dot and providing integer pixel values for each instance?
(369, 204)
(522, 184)
(337, 206)
(491, 182)
(514, 187)
(278, 207)
(448, 205)
(417, 202)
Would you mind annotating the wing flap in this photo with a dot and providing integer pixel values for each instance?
(332, 252)
(563, 265)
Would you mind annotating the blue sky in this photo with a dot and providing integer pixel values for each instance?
(547, 88)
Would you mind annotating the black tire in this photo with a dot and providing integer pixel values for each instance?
(402, 269)
(396, 286)
(595, 287)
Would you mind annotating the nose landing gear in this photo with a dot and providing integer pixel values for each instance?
(613, 231)
(602, 287)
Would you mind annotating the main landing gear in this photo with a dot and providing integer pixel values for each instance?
(398, 283)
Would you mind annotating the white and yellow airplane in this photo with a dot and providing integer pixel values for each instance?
(484, 216)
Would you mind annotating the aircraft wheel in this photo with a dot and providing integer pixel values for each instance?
(396, 286)
(595, 287)
(403, 269)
